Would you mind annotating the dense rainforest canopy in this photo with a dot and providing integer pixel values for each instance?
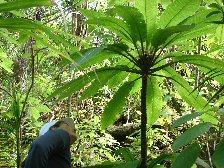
(142, 79)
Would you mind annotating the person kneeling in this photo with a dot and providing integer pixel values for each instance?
(52, 148)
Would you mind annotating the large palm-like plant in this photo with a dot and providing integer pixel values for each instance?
(143, 33)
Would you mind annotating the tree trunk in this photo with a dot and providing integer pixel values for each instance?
(143, 122)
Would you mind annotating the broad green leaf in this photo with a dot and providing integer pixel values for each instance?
(161, 35)
(6, 35)
(177, 11)
(217, 157)
(118, 2)
(19, 23)
(115, 107)
(185, 90)
(184, 119)
(90, 54)
(134, 19)
(191, 96)
(202, 163)
(126, 154)
(117, 79)
(154, 100)
(118, 164)
(149, 8)
(114, 24)
(197, 31)
(76, 84)
(22, 4)
(191, 134)
(201, 60)
(5, 62)
(201, 17)
(34, 113)
(43, 108)
(98, 83)
(59, 39)
(137, 87)
(220, 33)
(158, 160)
(188, 156)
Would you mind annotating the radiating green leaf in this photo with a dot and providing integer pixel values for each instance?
(22, 4)
(184, 119)
(177, 11)
(191, 96)
(18, 23)
(76, 84)
(149, 8)
(117, 79)
(188, 156)
(191, 134)
(115, 107)
(98, 83)
(134, 19)
(154, 100)
(218, 155)
(197, 31)
(201, 17)
(114, 24)
(126, 154)
(161, 35)
(201, 60)
(185, 90)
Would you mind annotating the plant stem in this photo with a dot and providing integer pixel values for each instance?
(18, 156)
(209, 155)
(143, 122)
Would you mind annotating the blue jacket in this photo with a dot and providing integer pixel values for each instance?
(51, 150)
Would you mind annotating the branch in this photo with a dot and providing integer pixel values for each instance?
(32, 79)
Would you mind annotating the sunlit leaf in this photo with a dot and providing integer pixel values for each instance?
(154, 100)
(177, 11)
(191, 134)
(150, 17)
(115, 107)
(22, 4)
(184, 119)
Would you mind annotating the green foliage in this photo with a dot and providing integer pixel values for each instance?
(190, 135)
(21, 4)
(115, 106)
(176, 12)
(5, 63)
(188, 156)
(154, 100)
(126, 153)
(130, 164)
(184, 119)
(147, 38)
(218, 155)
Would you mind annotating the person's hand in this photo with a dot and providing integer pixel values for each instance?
(70, 131)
